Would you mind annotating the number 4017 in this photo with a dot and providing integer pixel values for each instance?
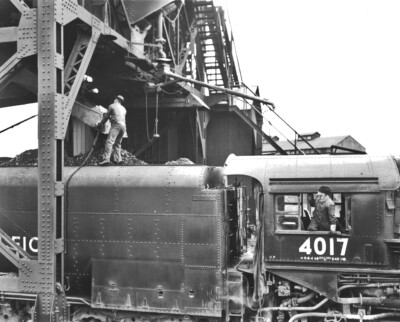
(321, 247)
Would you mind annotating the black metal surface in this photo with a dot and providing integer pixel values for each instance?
(133, 229)
(155, 286)
(325, 283)
(153, 219)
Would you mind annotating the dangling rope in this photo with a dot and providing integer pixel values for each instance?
(147, 121)
(155, 130)
(156, 135)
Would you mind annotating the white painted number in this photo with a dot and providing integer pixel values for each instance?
(306, 247)
(344, 242)
(320, 246)
(331, 246)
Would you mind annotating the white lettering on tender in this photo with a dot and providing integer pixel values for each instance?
(23, 242)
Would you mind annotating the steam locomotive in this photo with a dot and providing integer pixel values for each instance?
(206, 244)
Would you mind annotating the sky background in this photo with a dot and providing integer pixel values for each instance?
(328, 66)
(331, 66)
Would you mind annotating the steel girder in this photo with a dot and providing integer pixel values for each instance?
(24, 35)
(40, 32)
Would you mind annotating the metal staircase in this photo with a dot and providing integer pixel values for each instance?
(214, 45)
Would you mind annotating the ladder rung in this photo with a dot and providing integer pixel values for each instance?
(203, 3)
(208, 22)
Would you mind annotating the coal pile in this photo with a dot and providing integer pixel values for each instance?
(29, 159)
(97, 156)
(180, 161)
(25, 159)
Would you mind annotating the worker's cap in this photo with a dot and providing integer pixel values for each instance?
(121, 98)
(324, 189)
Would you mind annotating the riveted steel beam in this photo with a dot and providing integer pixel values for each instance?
(66, 11)
(24, 35)
(26, 45)
(50, 157)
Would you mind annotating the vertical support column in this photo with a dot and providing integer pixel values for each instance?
(203, 118)
(50, 156)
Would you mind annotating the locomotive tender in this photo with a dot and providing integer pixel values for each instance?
(199, 243)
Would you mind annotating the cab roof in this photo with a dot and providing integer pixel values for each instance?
(308, 172)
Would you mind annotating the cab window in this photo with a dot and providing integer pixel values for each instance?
(287, 209)
(293, 212)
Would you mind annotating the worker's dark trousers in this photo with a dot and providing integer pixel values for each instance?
(114, 139)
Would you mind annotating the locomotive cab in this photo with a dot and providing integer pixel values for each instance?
(294, 267)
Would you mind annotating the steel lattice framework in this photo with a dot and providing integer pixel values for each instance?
(56, 43)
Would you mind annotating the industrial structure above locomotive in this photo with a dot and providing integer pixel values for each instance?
(225, 241)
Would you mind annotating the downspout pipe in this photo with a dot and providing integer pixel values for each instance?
(160, 41)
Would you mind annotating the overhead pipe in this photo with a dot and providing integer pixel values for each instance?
(221, 89)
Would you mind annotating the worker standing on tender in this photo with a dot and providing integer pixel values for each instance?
(116, 114)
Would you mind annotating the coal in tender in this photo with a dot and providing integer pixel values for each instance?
(97, 156)
(29, 159)
(180, 161)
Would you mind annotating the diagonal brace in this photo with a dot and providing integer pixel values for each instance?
(8, 34)
(255, 127)
(11, 250)
(8, 66)
(20, 5)
(80, 73)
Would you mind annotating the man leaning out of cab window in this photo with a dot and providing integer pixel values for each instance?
(324, 214)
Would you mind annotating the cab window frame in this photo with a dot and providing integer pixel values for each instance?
(286, 223)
